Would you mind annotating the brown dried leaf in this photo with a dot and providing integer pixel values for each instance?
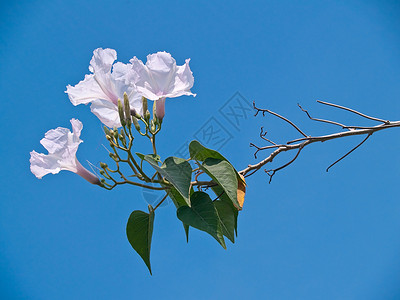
(241, 191)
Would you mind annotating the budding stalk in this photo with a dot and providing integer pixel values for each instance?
(127, 110)
(144, 103)
(160, 108)
(106, 130)
(136, 123)
(121, 113)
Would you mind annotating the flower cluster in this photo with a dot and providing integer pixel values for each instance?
(109, 81)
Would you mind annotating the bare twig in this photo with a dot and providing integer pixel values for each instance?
(302, 142)
(284, 166)
(322, 120)
(263, 134)
(353, 111)
(362, 142)
(277, 115)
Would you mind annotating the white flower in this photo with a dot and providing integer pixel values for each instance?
(62, 146)
(161, 78)
(103, 88)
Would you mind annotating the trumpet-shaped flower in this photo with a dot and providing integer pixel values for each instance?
(62, 145)
(161, 78)
(104, 87)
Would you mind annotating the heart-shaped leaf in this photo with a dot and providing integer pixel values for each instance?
(202, 215)
(179, 201)
(139, 231)
(227, 219)
(219, 192)
(224, 175)
(200, 153)
(177, 171)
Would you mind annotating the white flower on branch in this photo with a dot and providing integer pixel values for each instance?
(104, 87)
(161, 78)
(62, 145)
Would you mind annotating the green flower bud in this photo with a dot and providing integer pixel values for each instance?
(106, 130)
(127, 110)
(103, 165)
(113, 156)
(154, 109)
(121, 113)
(144, 103)
(147, 116)
(108, 137)
(136, 123)
(122, 137)
(102, 172)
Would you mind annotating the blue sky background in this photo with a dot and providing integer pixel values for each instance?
(307, 235)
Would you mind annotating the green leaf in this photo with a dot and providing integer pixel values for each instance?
(179, 201)
(227, 219)
(139, 231)
(202, 215)
(199, 152)
(224, 175)
(219, 192)
(154, 157)
(177, 171)
(186, 227)
(177, 198)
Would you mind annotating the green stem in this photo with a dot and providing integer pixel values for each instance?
(153, 142)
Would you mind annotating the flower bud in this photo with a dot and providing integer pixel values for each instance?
(152, 126)
(136, 123)
(121, 113)
(113, 156)
(154, 110)
(122, 138)
(127, 110)
(160, 108)
(106, 130)
(103, 165)
(147, 116)
(115, 131)
(144, 103)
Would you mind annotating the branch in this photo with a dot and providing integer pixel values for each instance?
(277, 115)
(302, 142)
(362, 142)
(353, 111)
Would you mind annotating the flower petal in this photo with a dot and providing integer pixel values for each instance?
(162, 67)
(85, 91)
(184, 80)
(77, 127)
(102, 60)
(42, 164)
(55, 140)
(161, 77)
(107, 112)
(143, 80)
